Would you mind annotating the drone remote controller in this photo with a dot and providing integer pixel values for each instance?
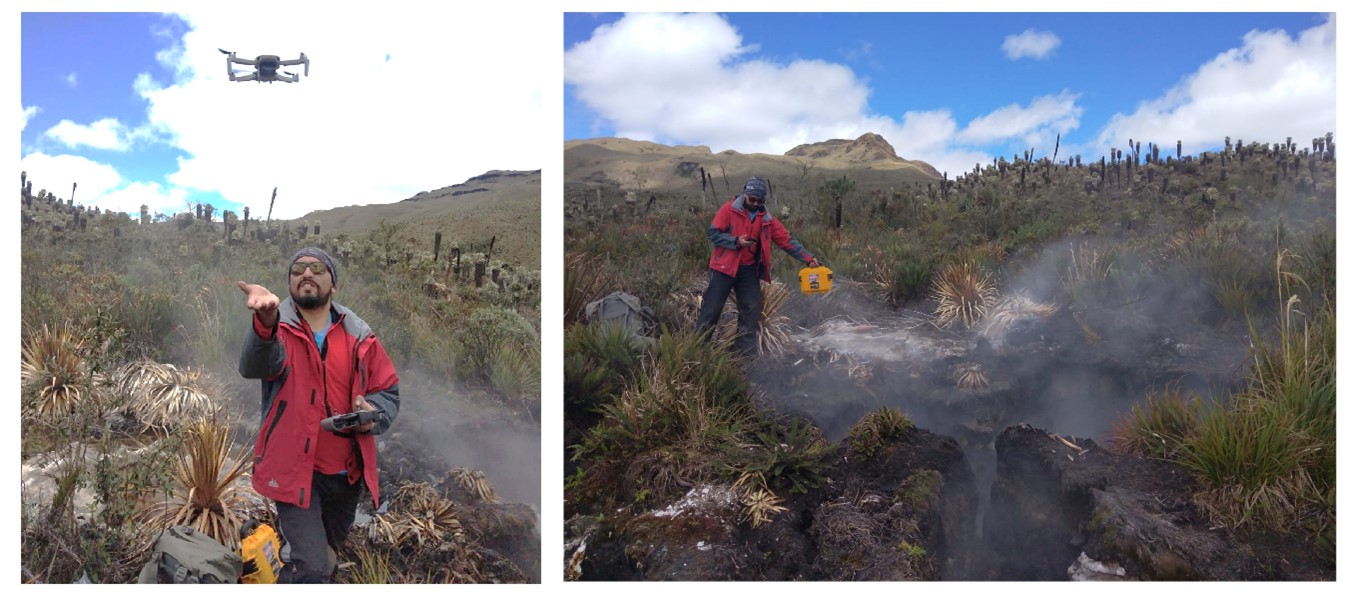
(345, 422)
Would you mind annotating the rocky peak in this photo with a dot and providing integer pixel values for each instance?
(868, 147)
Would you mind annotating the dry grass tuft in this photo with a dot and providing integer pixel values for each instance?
(1160, 426)
(963, 293)
(371, 568)
(773, 339)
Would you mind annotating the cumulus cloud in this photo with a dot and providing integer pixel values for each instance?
(1030, 44)
(1273, 86)
(72, 80)
(107, 134)
(1030, 126)
(156, 197)
(57, 173)
(399, 106)
(690, 79)
(100, 185)
(386, 113)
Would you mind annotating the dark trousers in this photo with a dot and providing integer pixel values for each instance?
(747, 294)
(312, 534)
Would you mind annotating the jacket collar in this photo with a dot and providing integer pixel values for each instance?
(354, 325)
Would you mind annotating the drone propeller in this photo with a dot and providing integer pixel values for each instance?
(223, 51)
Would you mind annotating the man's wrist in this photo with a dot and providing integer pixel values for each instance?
(263, 329)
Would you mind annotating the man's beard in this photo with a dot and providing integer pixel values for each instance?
(312, 301)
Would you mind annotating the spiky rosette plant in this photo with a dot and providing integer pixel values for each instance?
(474, 481)
(969, 376)
(205, 488)
(418, 515)
(162, 396)
(760, 506)
(54, 366)
(1010, 310)
(963, 293)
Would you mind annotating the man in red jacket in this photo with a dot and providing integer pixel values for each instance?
(316, 359)
(741, 256)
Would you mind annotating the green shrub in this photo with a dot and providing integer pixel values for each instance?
(491, 328)
(598, 361)
(789, 456)
(874, 431)
(682, 356)
(909, 279)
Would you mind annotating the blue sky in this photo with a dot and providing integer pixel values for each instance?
(137, 108)
(951, 89)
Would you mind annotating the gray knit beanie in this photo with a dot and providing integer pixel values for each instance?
(756, 187)
(317, 253)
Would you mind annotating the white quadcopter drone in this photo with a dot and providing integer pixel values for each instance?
(268, 68)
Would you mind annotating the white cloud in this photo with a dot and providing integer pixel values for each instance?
(107, 133)
(1030, 44)
(56, 174)
(158, 199)
(1030, 126)
(399, 106)
(72, 80)
(1271, 87)
(26, 115)
(679, 78)
(99, 184)
(689, 79)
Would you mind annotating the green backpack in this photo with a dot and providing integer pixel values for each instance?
(182, 555)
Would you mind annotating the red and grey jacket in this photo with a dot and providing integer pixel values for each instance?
(731, 221)
(295, 399)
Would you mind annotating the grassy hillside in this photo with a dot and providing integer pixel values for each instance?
(503, 204)
(645, 169)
